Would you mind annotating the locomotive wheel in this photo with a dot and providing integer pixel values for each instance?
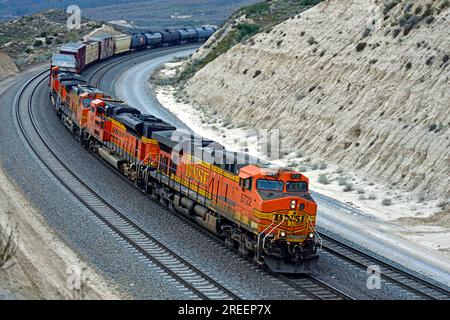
(228, 241)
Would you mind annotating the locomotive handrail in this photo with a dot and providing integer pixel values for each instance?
(317, 235)
(276, 227)
(259, 236)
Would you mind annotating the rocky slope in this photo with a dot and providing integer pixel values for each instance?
(33, 39)
(361, 84)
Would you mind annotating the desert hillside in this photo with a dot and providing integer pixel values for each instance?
(33, 39)
(360, 84)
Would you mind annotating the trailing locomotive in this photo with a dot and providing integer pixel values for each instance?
(266, 213)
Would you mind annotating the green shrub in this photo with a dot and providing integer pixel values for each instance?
(348, 187)
(38, 43)
(323, 179)
(247, 30)
(257, 9)
(342, 181)
(323, 166)
(444, 4)
(388, 6)
(309, 2)
(312, 41)
(361, 46)
(386, 202)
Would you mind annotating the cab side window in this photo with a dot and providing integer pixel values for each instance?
(246, 183)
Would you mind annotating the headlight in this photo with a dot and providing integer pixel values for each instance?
(283, 234)
(311, 235)
(293, 204)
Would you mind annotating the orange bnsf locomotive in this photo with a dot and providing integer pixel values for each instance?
(264, 212)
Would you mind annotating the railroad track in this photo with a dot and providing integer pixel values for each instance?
(314, 288)
(195, 283)
(307, 287)
(96, 77)
(407, 281)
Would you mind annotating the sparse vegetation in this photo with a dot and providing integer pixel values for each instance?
(323, 179)
(32, 39)
(348, 187)
(388, 6)
(257, 73)
(444, 4)
(323, 166)
(442, 204)
(8, 247)
(372, 197)
(38, 43)
(311, 41)
(342, 181)
(361, 46)
(260, 18)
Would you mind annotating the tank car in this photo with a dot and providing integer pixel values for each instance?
(170, 37)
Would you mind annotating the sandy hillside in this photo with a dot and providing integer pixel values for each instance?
(361, 84)
(7, 66)
(43, 264)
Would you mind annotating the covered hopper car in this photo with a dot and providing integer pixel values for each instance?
(122, 43)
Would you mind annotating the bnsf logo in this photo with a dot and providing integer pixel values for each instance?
(119, 133)
(289, 217)
(197, 174)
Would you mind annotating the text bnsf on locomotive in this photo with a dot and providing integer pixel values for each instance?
(266, 213)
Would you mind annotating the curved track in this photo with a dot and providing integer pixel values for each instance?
(195, 282)
(419, 287)
(317, 289)
(191, 279)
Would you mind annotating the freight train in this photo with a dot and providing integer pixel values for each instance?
(264, 212)
(74, 57)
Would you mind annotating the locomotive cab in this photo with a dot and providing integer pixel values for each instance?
(285, 214)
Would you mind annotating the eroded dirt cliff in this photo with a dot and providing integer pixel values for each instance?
(361, 84)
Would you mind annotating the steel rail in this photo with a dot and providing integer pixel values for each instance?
(185, 273)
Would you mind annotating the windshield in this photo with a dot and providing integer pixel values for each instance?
(271, 185)
(297, 186)
(86, 102)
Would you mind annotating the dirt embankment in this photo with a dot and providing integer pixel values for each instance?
(360, 84)
(7, 66)
(43, 267)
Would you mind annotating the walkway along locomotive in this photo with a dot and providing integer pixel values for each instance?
(266, 213)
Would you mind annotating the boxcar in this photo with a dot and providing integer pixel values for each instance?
(138, 41)
(170, 37)
(188, 35)
(154, 39)
(106, 46)
(92, 51)
(78, 50)
(122, 43)
(65, 62)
